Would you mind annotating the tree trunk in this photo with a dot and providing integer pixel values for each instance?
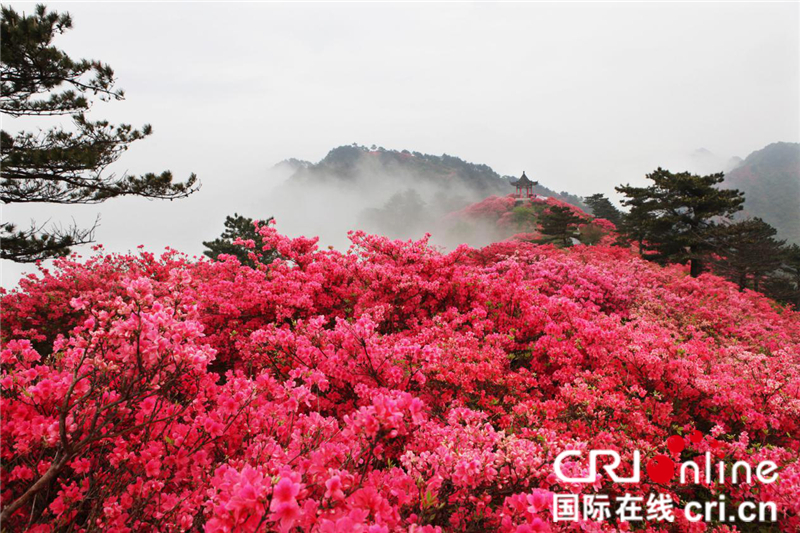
(43, 481)
(695, 267)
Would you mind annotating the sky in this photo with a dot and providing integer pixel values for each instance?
(582, 96)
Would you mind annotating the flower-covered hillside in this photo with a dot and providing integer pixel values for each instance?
(391, 388)
(501, 217)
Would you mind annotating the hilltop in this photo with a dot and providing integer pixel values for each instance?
(397, 193)
(500, 218)
(345, 164)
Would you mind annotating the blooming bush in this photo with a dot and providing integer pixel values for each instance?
(390, 388)
(519, 219)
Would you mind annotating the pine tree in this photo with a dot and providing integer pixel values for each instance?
(58, 165)
(240, 227)
(637, 220)
(672, 218)
(603, 208)
(559, 225)
(747, 252)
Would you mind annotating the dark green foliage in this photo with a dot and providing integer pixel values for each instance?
(33, 245)
(33, 68)
(747, 252)
(559, 225)
(635, 223)
(784, 284)
(672, 218)
(602, 207)
(239, 227)
(61, 165)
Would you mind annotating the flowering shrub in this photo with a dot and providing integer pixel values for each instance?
(519, 219)
(390, 388)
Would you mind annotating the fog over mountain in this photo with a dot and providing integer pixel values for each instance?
(405, 194)
(400, 194)
(770, 179)
(582, 97)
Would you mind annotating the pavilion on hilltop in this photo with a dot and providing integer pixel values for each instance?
(524, 186)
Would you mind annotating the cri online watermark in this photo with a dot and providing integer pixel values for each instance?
(661, 469)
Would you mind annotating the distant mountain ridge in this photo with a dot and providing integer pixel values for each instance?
(770, 179)
(344, 163)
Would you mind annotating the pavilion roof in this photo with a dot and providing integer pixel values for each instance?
(523, 181)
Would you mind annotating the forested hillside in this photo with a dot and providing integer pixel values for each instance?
(770, 179)
(348, 163)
